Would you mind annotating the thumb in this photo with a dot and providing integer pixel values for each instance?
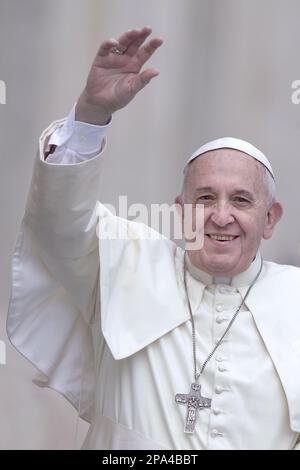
(144, 78)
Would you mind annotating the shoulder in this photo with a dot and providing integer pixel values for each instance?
(282, 270)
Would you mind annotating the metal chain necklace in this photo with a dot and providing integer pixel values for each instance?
(194, 400)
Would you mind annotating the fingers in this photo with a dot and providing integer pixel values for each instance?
(107, 46)
(133, 36)
(133, 46)
(124, 41)
(145, 52)
(130, 43)
(141, 80)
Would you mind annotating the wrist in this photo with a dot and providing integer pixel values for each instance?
(89, 113)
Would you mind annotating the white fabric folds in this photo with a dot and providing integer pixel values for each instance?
(107, 324)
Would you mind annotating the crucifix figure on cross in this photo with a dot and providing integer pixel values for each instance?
(194, 401)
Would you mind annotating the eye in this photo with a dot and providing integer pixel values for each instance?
(242, 200)
(205, 198)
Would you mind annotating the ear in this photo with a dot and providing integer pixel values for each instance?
(274, 214)
(179, 204)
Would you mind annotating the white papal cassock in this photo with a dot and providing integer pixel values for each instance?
(117, 341)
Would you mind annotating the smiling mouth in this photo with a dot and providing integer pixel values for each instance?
(222, 238)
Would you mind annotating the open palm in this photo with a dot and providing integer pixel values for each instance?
(115, 78)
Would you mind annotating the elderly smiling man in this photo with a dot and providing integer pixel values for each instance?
(157, 347)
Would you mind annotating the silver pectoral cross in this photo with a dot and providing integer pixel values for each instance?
(194, 401)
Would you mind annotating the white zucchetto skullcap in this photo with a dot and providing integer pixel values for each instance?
(233, 143)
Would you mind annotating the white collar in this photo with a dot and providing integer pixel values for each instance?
(243, 279)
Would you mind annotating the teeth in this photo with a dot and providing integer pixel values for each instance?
(222, 237)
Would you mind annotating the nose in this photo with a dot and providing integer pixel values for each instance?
(222, 215)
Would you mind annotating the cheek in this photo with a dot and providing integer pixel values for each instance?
(252, 227)
(207, 214)
(198, 217)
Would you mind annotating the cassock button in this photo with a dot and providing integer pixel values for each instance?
(216, 411)
(222, 369)
(219, 389)
(220, 308)
(221, 319)
(216, 433)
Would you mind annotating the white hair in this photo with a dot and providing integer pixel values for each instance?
(270, 186)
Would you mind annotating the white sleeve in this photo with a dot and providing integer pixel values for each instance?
(55, 276)
(75, 141)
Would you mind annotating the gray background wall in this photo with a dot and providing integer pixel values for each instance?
(226, 69)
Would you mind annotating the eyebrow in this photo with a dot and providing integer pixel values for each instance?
(242, 192)
(205, 188)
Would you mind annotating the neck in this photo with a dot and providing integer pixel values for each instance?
(243, 278)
